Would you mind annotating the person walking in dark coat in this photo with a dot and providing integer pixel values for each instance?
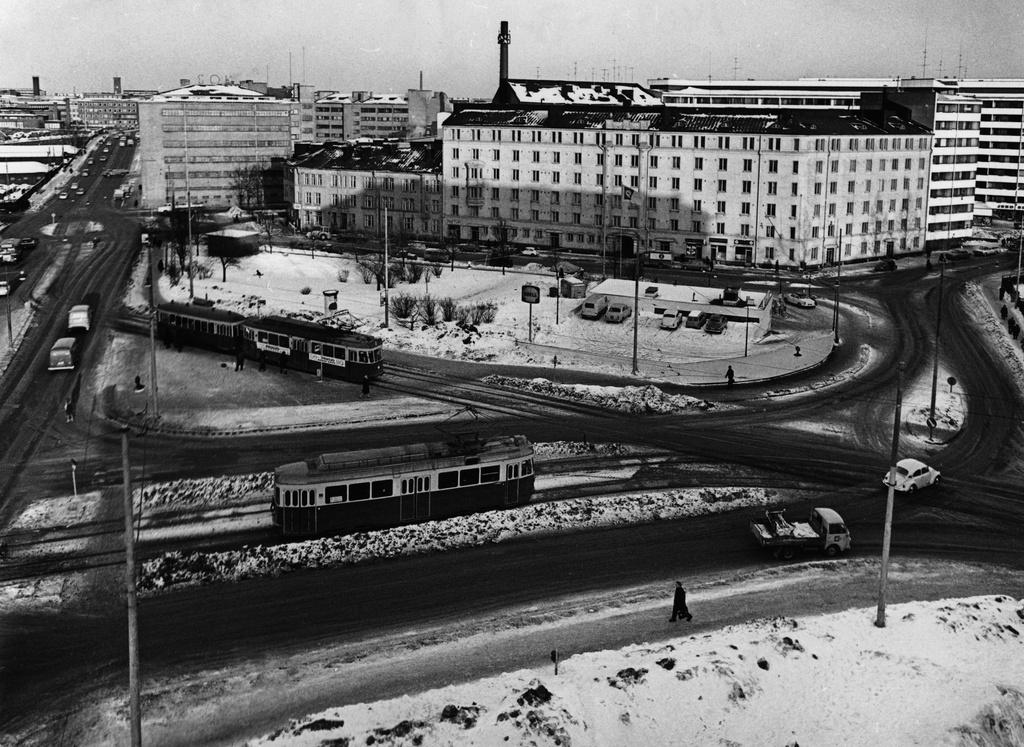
(263, 360)
(679, 609)
(284, 363)
(366, 388)
(239, 360)
(730, 376)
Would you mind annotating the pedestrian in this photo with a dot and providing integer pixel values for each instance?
(1002, 291)
(284, 363)
(239, 360)
(366, 388)
(1003, 312)
(679, 609)
(69, 410)
(730, 376)
(263, 360)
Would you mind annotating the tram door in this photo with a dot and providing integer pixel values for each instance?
(415, 498)
(299, 521)
(511, 484)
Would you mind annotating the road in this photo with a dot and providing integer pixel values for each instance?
(974, 515)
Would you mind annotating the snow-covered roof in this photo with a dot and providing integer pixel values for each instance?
(528, 91)
(690, 294)
(415, 157)
(215, 92)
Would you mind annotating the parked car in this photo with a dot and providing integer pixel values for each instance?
(885, 265)
(618, 312)
(803, 300)
(954, 255)
(530, 252)
(983, 250)
(912, 474)
(5, 288)
(696, 321)
(671, 319)
(594, 307)
(716, 324)
(321, 235)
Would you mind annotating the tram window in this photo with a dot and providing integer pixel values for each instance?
(352, 355)
(359, 491)
(383, 488)
(363, 358)
(447, 480)
(316, 348)
(527, 468)
(490, 474)
(334, 494)
(469, 476)
(405, 486)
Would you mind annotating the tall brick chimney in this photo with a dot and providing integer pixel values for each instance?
(504, 39)
(35, 85)
(117, 86)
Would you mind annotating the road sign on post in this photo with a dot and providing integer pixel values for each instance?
(531, 295)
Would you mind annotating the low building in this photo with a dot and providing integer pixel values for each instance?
(362, 114)
(352, 187)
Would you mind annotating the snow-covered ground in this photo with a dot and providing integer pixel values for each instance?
(833, 679)
(939, 673)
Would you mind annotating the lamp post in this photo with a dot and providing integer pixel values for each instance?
(10, 327)
(935, 363)
(641, 168)
(883, 577)
(386, 278)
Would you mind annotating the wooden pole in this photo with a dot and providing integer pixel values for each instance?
(133, 612)
(887, 536)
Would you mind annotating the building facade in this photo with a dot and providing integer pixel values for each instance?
(195, 140)
(118, 112)
(360, 187)
(362, 114)
(793, 187)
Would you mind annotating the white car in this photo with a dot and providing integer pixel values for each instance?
(530, 252)
(4, 288)
(63, 195)
(912, 474)
(803, 300)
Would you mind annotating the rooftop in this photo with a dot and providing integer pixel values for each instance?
(393, 156)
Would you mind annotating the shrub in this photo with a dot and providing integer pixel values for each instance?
(483, 313)
(413, 273)
(201, 270)
(428, 310)
(463, 315)
(367, 272)
(448, 308)
(342, 276)
(436, 268)
(306, 290)
(403, 305)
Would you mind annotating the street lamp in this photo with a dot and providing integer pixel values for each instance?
(935, 364)
(883, 576)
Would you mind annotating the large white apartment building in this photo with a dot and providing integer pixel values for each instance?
(362, 114)
(978, 123)
(796, 187)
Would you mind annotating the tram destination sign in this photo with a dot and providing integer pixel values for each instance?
(531, 294)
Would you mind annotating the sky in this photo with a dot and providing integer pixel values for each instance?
(384, 45)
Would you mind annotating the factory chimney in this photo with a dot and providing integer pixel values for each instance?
(504, 39)
(35, 85)
(117, 86)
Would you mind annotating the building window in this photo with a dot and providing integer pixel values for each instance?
(698, 185)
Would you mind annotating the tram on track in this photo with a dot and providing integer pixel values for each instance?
(310, 347)
(199, 324)
(379, 488)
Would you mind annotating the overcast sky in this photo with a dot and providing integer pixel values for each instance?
(383, 45)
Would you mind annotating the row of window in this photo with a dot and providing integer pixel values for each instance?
(192, 127)
(298, 344)
(238, 112)
(180, 144)
(657, 140)
(385, 488)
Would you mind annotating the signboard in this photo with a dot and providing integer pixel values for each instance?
(327, 359)
(531, 294)
(271, 348)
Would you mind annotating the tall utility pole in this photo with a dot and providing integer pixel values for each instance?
(387, 280)
(188, 203)
(887, 536)
(153, 278)
(839, 277)
(10, 327)
(641, 170)
(135, 715)
(935, 364)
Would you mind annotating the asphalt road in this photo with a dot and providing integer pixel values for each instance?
(975, 514)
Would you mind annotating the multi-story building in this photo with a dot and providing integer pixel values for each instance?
(353, 186)
(119, 112)
(979, 129)
(194, 141)
(362, 114)
(796, 187)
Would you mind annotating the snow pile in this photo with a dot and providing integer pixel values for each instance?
(206, 491)
(946, 672)
(633, 399)
(182, 569)
(552, 449)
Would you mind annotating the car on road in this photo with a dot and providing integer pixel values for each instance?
(803, 300)
(912, 474)
(28, 243)
(63, 195)
(984, 250)
(530, 252)
(696, 321)
(716, 324)
(954, 255)
(321, 235)
(5, 288)
(885, 265)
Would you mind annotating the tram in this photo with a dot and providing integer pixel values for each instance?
(379, 488)
(306, 346)
(200, 324)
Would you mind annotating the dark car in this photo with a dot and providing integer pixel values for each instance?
(716, 324)
(28, 243)
(696, 321)
(885, 265)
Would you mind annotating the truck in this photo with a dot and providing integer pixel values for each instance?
(824, 530)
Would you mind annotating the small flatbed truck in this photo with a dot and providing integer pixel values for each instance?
(824, 530)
